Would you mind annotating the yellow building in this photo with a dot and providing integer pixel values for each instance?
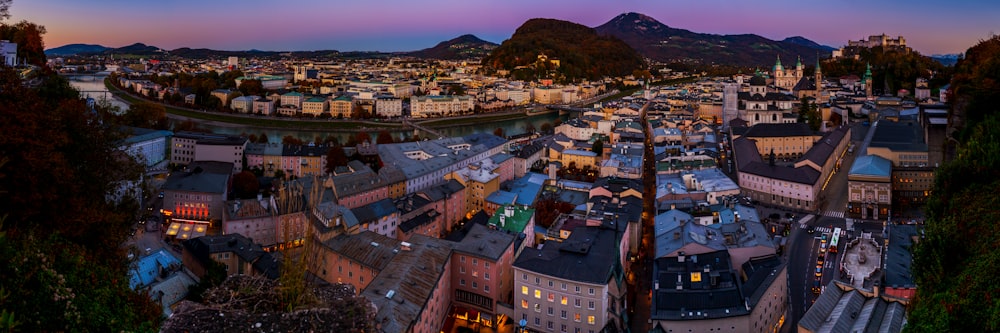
(787, 141)
(341, 107)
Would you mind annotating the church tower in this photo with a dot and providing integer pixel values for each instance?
(799, 69)
(867, 81)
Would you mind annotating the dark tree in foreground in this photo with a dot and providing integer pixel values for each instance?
(245, 185)
(62, 266)
(957, 262)
(335, 157)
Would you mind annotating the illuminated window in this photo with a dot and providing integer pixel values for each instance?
(552, 297)
(524, 290)
(538, 293)
(524, 303)
(538, 308)
(563, 300)
(590, 320)
(576, 317)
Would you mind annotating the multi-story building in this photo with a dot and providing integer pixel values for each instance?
(761, 106)
(269, 82)
(380, 217)
(253, 218)
(237, 253)
(710, 292)
(314, 106)
(426, 163)
(795, 186)
(481, 271)
(263, 107)
(787, 141)
(243, 104)
(903, 144)
(388, 107)
(187, 147)
(195, 198)
(479, 183)
(8, 51)
(440, 106)
(576, 285)
(526, 158)
(516, 219)
(293, 98)
(342, 107)
(869, 193)
(146, 146)
(548, 95)
(265, 156)
(304, 160)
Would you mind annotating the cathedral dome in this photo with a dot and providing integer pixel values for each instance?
(758, 80)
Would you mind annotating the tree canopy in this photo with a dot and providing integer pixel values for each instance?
(62, 266)
(957, 264)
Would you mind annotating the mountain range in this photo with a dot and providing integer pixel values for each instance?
(663, 43)
(651, 38)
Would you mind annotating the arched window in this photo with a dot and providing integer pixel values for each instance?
(774, 117)
(756, 117)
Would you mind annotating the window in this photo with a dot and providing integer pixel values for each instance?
(524, 277)
(486, 275)
(524, 303)
(576, 302)
(524, 290)
(563, 300)
(538, 321)
(475, 273)
(550, 283)
(538, 293)
(486, 288)
(461, 269)
(563, 285)
(475, 261)
(461, 282)
(486, 264)
(550, 311)
(538, 308)
(577, 289)
(562, 314)
(591, 291)
(549, 325)
(552, 297)
(462, 259)
(590, 305)
(576, 317)
(590, 320)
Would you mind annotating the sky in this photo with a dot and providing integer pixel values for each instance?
(930, 27)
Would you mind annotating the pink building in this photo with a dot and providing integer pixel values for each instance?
(482, 274)
(414, 291)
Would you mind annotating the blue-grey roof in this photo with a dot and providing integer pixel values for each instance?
(842, 309)
(147, 268)
(441, 156)
(871, 165)
(374, 211)
(198, 181)
(137, 135)
(528, 187)
(898, 258)
(675, 229)
(587, 256)
(501, 198)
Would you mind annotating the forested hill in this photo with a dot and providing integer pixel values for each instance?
(580, 51)
(957, 264)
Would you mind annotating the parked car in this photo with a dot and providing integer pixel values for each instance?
(819, 271)
(820, 259)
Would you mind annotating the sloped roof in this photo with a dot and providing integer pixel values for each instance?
(871, 165)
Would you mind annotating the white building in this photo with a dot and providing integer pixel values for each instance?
(243, 104)
(440, 106)
(386, 106)
(293, 99)
(263, 106)
(146, 146)
(8, 51)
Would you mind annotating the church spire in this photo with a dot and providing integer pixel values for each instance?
(777, 64)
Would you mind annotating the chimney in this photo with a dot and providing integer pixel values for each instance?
(680, 256)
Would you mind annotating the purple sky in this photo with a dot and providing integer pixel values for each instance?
(931, 27)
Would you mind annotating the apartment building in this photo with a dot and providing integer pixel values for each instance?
(187, 147)
(440, 106)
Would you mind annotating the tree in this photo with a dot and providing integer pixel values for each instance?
(63, 271)
(252, 88)
(958, 246)
(263, 138)
(498, 132)
(331, 140)
(5, 9)
(146, 115)
(384, 137)
(598, 148)
(530, 128)
(291, 140)
(546, 127)
(245, 185)
(335, 157)
(28, 37)
(362, 137)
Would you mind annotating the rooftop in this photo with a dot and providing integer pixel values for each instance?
(401, 291)
(589, 255)
(871, 165)
(512, 218)
(843, 309)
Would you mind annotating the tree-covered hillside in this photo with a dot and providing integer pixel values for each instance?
(957, 264)
(891, 69)
(580, 51)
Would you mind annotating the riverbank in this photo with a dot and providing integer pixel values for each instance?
(318, 125)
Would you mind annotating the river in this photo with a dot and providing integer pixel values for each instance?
(93, 86)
